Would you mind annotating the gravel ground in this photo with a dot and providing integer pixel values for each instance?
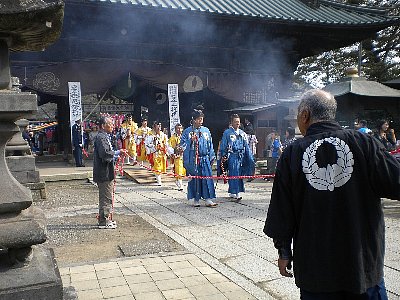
(72, 227)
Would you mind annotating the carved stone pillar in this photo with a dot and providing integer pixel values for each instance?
(21, 163)
(27, 271)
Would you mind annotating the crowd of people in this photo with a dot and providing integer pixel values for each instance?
(41, 139)
(325, 214)
(190, 151)
(382, 132)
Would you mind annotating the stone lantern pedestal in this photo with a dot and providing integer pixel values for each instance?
(27, 271)
(21, 163)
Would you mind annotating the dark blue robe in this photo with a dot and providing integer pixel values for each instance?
(234, 146)
(198, 165)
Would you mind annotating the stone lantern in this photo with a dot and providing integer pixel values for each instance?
(27, 270)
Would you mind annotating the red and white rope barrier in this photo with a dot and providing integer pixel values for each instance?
(121, 159)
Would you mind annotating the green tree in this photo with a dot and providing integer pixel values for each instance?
(380, 56)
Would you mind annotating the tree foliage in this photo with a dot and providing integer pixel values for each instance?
(380, 56)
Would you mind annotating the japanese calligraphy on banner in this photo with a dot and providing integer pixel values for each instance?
(75, 105)
(173, 107)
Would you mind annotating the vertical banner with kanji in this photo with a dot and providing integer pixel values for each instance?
(173, 107)
(75, 103)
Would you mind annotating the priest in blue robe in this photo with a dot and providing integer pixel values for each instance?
(198, 158)
(235, 149)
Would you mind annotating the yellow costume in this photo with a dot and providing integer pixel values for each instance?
(140, 136)
(156, 149)
(177, 157)
(127, 131)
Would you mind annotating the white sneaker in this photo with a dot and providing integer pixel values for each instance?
(158, 177)
(110, 224)
(179, 184)
(210, 203)
(233, 196)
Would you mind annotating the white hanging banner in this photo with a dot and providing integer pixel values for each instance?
(173, 107)
(75, 102)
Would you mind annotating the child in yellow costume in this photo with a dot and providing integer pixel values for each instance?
(128, 128)
(177, 156)
(156, 148)
(140, 136)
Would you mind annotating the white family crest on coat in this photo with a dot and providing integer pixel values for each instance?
(205, 134)
(333, 176)
(232, 137)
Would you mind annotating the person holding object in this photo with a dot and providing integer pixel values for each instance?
(140, 136)
(128, 128)
(103, 171)
(326, 198)
(177, 160)
(198, 158)
(235, 149)
(157, 150)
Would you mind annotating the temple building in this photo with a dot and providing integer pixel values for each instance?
(221, 53)
(361, 99)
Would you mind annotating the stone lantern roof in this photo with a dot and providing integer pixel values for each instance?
(30, 25)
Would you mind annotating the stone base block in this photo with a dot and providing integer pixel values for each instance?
(22, 230)
(21, 163)
(26, 176)
(39, 279)
(38, 190)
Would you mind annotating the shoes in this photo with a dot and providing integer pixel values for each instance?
(179, 184)
(235, 197)
(209, 203)
(194, 203)
(158, 178)
(110, 224)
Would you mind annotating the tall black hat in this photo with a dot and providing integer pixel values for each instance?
(198, 112)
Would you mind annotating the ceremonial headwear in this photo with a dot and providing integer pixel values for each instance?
(197, 112)
(156, 123)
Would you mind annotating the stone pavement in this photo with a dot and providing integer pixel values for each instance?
(228, 256)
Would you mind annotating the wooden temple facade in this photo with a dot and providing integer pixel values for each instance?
(221, 53)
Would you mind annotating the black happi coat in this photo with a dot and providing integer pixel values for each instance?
(103, 158)
(333, 214)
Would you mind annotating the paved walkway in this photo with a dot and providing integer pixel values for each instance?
(228, 256)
